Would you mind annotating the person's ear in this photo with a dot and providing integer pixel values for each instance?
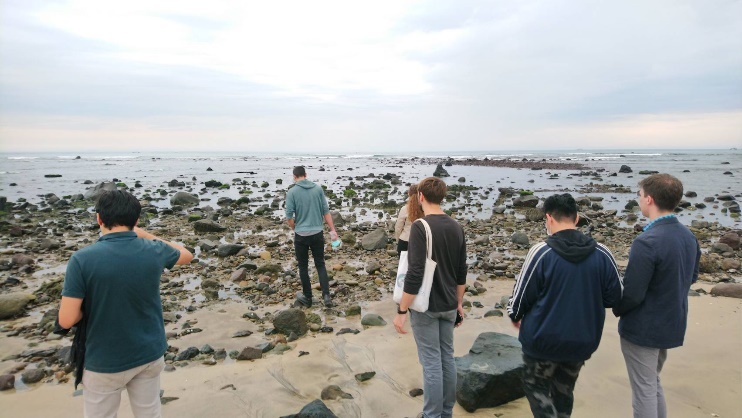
(577, 219)
(97, 219)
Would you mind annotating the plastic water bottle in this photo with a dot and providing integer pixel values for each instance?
(336, 244)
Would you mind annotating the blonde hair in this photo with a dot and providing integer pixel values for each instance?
(414, 210)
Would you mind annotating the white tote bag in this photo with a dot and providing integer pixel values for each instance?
(422, 298)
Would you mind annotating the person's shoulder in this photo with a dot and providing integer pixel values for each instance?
(539, 247)
(84, 253)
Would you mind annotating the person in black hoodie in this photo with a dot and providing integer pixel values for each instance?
(559, 303)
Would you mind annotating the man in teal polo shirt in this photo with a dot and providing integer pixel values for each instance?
(118, 280)
(306, 208)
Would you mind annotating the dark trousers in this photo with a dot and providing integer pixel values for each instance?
(302, 245)
(549, 386)
(402, 246)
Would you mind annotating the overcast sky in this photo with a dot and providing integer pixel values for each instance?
(377, 76)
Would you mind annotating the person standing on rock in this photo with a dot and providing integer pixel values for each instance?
(306, 208)
(663, 262)
(118, 280)
(558, 303)
(406, 216)
(433, 329)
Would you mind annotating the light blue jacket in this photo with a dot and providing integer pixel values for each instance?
(307, 205)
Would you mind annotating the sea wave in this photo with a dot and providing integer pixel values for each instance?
(23, 158)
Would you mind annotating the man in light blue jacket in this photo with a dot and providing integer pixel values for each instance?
(306, 207)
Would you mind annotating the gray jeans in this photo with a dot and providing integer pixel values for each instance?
(433, 333)
(644, 365)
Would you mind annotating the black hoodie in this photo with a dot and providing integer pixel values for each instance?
(561, 294)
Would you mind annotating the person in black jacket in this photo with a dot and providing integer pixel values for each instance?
(663, 262)
(558, 303)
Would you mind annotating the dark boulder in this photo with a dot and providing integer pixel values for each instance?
(528, 201)
(490, 374)
(187, 354)
(250, 353)
(440, 171)
(625, 169)
(183, 199)
(32, 376)
(206, 225)
(375, 240)
(314, 409)
(225, 250)
(291, 320)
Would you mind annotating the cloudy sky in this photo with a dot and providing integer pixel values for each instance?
(381, 76)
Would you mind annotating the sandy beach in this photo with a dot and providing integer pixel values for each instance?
(701, 379)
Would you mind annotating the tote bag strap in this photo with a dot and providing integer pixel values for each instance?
(428, 238)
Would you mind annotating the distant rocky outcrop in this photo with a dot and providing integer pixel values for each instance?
(440, 171)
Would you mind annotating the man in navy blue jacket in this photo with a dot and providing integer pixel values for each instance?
(559, 302)
(663, 262)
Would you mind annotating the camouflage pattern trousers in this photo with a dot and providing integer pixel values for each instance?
(549, 386)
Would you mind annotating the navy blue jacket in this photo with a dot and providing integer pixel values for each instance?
(663, 262)
(561, 294)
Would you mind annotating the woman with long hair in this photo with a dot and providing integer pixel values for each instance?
(407, 215)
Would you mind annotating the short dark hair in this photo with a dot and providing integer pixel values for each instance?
(433, 188)
(118, 208)
(299, 171)
(561, 207)
(666, 190)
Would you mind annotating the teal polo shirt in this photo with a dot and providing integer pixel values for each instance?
(119, 276)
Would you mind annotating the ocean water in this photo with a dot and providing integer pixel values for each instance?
(701, 171)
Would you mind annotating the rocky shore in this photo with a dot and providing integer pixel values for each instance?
(245, 258)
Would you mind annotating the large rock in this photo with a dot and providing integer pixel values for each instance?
(95, 192)
(730, 264)
(333, 392)
(534, 214)
(183, 199)
(187, 354)
(730, 290)
(440, 171)
(12, 304)
(625, 169)
(528, 201)
(207, 225)
(490, 375)
(520, 238)
(373, 320)
(291, 320)
(337, 219)
(32, 376)
(375, 240)
(314, 409)
(7, 381)
(720, 248)
(708, 264)
(225, 250)
(250, 353)
(21, 259)
(731, 239)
